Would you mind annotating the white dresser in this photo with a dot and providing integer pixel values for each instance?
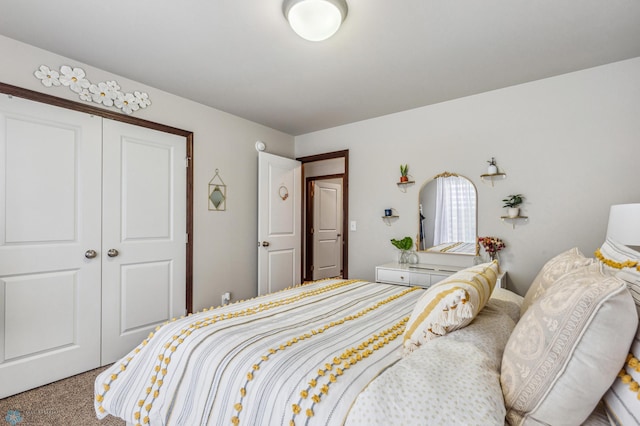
(422, 274)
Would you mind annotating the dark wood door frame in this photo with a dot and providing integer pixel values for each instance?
(306, 253)
(116, 116)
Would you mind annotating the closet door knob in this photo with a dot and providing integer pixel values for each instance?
(90, 254)
(265, 244)
(113, 253)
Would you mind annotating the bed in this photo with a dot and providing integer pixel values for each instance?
(352, 352)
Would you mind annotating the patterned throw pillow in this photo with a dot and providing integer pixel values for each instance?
(551, 271)
(622, 400)
(614, 256)
(567, 349)
(450, 304)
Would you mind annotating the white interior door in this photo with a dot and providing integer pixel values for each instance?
(50, 213)
(327, 229)
(144, 234)
(279, 222)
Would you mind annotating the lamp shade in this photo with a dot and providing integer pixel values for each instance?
(315, 20)
(624, 224)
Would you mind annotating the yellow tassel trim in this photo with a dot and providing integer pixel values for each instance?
(336, 361)
(363, 351)
(617, 265)
(627, 379)
(177, 340)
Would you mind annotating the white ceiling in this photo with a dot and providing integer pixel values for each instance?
(240, 56)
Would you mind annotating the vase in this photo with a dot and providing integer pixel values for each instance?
(494, 256)
(404, 256)
(513, 211)
(492, 170)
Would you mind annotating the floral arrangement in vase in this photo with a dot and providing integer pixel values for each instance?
(492, 245)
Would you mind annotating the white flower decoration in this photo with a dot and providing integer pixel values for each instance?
(85, 95)
(106, 93)
(126, 102)
(48, 77)
(74, 78)
(101, 93)
(142, 99)
(113, 85)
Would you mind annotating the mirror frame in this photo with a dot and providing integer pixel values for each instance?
(446, 175)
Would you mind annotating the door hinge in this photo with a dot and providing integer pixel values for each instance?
(311, 232)
(186, 238)
(187, 161)
(311, 268)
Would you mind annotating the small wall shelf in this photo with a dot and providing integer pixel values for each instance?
(513, 220)
(492, 177)
(404, 185)
(389, 219)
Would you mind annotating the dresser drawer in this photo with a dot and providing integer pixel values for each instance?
(393, 276)
(421, 279)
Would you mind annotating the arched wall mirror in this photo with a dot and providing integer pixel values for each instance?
(448, 206)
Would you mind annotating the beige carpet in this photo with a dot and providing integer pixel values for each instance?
(68, 402)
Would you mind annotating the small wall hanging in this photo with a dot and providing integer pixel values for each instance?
(283, 192)
(217, 193)
(106, 93)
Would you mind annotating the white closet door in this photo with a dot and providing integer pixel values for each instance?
(50, 213)
(144, 222)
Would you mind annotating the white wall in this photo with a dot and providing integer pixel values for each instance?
(570, 144)
(225, 253)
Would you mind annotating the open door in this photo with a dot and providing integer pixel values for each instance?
(279, 222)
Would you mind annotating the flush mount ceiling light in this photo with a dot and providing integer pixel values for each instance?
(315, 20)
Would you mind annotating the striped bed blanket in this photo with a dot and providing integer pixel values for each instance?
(299, 356)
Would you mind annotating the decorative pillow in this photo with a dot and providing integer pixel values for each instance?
(450, 304)
(623, 262)
(567, 349)
(622, 400)
(551, 271)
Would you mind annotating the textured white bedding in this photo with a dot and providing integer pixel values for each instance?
(302, 356)
(299, 356)
(454, 379)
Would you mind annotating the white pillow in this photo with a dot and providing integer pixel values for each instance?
(552, 270)
(450, 304)
(567, 349)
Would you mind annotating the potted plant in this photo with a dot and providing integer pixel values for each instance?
(404, 245)
(404, 172)
(512, 203)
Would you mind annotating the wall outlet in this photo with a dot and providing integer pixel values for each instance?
(226, 298)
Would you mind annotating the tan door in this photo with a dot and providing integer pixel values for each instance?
(327, 229)
(50, 254)
(144, 234)
(279, 222)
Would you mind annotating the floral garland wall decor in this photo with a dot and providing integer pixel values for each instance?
(106, 93)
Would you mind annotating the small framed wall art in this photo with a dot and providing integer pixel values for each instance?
(217, 193)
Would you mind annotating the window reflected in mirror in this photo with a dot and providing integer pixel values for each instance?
(448, 215)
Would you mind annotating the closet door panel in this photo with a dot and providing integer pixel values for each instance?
(144, 199)
(50, 215)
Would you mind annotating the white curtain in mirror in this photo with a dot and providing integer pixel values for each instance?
(455, 218)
